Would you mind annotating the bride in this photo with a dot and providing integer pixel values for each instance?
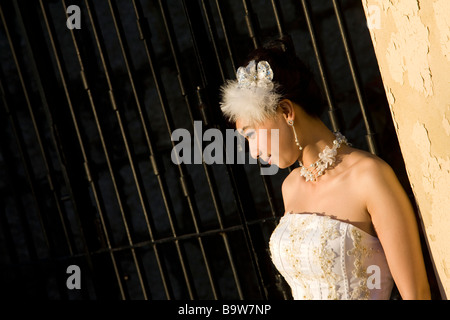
(349, 230)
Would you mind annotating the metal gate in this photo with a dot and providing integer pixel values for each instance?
(87, 114)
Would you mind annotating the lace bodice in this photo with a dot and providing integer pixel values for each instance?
(324, 258)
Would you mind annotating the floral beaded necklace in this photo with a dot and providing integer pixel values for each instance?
(326, 158)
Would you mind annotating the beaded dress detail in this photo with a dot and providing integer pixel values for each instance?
(322, 258)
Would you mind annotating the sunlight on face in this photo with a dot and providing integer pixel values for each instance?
(271, 141)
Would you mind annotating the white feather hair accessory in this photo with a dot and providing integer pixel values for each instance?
(252, 96)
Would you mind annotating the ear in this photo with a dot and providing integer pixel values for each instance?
(286, 108)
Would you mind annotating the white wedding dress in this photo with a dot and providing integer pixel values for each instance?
(323, 258)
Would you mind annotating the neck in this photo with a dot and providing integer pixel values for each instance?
(315, 136)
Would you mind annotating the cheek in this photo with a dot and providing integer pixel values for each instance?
(253, 148)
(262, 140)
(274, 142)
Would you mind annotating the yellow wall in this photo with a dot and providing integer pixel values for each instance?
(412, 44)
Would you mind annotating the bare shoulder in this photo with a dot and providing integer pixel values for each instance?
(366, 166)
(374, 177)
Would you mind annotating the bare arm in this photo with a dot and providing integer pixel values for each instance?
(395, 223)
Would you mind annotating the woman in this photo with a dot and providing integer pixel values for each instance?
(349, 229)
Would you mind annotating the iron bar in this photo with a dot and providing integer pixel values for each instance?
(56, 47)
(226, 35)
(13, 181)
(252, 23)
(333, 111)
(170, 239)
(204, 106)
(85, 75)
(145, 36)
(278, 17)
(37, 129)
(44, 81)
(213, 35)
(141, 110)
(202, 51)
(26, 163)
(62, 137)
(355, 75)
(184, 178)
(138, 183)
(253, 28)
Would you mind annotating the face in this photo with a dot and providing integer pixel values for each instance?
(263, 140)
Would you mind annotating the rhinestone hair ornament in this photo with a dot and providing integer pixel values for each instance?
(253, 75)
(252, 96)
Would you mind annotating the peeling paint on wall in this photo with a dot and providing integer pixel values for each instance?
(368, 14)
(432, 166)
(446, 125)
(407, 52)
(412, 50)
(446, 269)
(442, 14)
(391, 101)
(390, 98)
(434, 173)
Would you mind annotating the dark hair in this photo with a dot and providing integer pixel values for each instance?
(295, 81)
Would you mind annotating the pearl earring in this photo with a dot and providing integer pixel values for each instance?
(291, 123)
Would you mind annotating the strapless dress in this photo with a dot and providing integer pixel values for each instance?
(322, 258)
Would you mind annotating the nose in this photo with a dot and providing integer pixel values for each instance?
(254, 149)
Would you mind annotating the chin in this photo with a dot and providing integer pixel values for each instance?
(285, 164)
(282, 165)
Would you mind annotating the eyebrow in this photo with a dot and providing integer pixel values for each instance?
(243, 129)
